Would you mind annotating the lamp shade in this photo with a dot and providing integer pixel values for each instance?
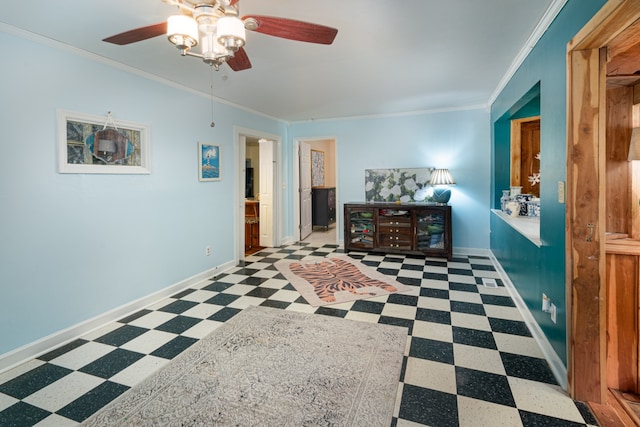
(441, 177)
(231, 32)
(182, 30)
(634, 145)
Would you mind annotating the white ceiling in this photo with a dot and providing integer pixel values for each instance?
(388, 57)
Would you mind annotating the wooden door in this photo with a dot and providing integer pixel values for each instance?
(622, 322)
(530, 156)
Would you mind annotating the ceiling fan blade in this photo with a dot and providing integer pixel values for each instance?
(232, 2)
(292, 29)
(138, 34)
(239, 61)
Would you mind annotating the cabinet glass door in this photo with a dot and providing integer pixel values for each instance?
(430, 230)
(362, 229)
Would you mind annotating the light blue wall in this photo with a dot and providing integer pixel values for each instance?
(458, 140)
(74, 246)
(536, 270)
(63, 261)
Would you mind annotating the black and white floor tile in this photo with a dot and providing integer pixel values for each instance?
(470, 358)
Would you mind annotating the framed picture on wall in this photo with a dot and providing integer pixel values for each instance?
(101, 144)
(317, 168)
(208, 162)
(397, 185)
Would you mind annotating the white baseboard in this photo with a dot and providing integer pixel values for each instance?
(288, 240)
(472, 251)
(555, 363)
(32, 350)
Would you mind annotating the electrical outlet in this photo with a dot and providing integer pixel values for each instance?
(545, 303)
(552, 310)
(207, 250)
(561, 191)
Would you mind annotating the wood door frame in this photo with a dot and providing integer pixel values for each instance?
(586, 198)
(516, 177)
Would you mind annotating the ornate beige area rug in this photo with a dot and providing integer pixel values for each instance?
(271, 367)
(323, 281)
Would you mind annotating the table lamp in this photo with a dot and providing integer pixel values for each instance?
(441, 179)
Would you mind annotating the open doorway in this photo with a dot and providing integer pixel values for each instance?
(258, 213)
(316, 209)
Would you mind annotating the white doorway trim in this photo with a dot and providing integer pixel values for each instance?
(306, 211)
(239, 148)
(296, 185)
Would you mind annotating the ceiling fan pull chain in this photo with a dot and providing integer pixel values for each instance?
(109, 121)
(212, 122)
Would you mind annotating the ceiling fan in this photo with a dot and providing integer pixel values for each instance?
(216, 26)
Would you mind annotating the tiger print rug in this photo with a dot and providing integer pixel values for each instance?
(337, 279)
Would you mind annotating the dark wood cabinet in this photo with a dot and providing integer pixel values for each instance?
(395, 229)
(323, 206)
(418, 228)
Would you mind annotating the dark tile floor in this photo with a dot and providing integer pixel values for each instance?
(470, 358)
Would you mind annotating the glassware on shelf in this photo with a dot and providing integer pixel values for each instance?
(430, 230)
(533, 207)
(512, 209)
(504, 200)
(362, 228)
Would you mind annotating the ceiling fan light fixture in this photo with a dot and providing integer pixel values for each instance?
(182, 31)
(216, 26)
(231, 32)
(212, 51)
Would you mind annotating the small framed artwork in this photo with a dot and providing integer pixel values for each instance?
(101, 145)
(208, 162)
(317, 168)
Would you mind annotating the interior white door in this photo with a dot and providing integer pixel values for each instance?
(267, 196)
(306, 225)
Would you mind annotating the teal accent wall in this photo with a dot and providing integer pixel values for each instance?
(535, 270)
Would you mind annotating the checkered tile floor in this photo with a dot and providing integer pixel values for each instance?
(470, 360)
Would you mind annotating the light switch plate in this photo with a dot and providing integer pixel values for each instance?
(561, 192)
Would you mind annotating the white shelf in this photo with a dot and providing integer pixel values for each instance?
(529, 227)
